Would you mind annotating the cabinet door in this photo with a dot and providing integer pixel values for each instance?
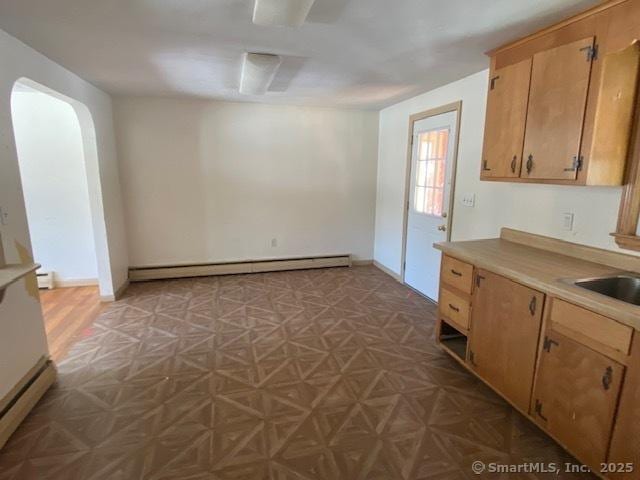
(557, 103)
(576, 395)
(505, 329)
(625, 445)
(506, 115)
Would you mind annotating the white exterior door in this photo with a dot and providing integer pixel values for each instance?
(429, 210)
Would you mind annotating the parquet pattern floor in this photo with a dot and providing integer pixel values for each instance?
(325, 374)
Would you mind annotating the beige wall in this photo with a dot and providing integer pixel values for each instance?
(533, 208)
(208, 181)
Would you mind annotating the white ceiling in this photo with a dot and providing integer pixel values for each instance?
(350, 53)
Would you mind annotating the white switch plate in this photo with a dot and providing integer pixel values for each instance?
(567, 221)
(469, 200)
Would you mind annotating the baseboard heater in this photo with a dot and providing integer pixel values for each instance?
(16, 405)
(141, 274)
(45, 280)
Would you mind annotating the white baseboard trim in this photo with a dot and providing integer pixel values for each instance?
(361, 263)
(117, 295)
(141, 274)
(122, 289)
(388, 271)
(24, 396)
(75, 282)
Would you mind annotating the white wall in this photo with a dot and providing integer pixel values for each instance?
(209, 181)
(533, 208)
(22, 335)
(54, 183)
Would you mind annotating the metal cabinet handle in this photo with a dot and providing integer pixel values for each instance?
(454, 308)
(607, 378)
(514, 163)
(532, 305)
(456, 273)
(485, 166)
(529, 164)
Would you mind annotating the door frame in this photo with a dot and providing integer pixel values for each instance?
(451, 107)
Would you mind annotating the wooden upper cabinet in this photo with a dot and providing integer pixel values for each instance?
(505, 121)
(578, 101)
(505, 328)
(557, 102)
(576, 395)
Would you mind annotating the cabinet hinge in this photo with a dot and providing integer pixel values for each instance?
(538, 410)
(607, 378)
(548, 343)
(576, 164)
(591, 51)
(472, 358)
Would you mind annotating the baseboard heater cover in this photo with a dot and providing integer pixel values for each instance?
(45, 280)
(16, 406)
(141, 274)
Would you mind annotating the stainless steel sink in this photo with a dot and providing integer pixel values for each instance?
(621, 287)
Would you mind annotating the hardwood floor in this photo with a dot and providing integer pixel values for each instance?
(68, 316)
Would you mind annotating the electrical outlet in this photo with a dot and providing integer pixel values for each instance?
(567, 221)
(274, 242)
(469, 200)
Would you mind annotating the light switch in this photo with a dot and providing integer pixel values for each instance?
(469, 200)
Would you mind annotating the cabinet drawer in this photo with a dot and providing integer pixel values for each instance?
(457, 274)
(598, 332)
(455, 308)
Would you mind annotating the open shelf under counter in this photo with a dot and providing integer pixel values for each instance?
(453, 341)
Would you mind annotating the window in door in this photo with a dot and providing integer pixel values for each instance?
(430, 172)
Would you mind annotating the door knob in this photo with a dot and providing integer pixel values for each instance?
(442, 228)
(444, 214)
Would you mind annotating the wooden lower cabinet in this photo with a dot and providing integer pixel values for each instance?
(505, 329)
(575, 397)
(625, 445)
(576, 373)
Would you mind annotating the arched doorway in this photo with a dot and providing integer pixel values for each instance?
(57, 154)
